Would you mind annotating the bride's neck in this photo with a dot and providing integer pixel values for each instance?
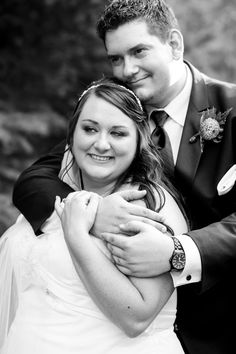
(101, 190)
(93, 186)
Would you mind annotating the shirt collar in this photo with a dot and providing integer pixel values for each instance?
(177, 108)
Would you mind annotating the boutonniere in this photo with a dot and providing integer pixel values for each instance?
(211, 126)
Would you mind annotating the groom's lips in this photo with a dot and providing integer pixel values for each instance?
(137, 81)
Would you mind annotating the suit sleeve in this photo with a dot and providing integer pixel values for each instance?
(217, 246)
(35, 190)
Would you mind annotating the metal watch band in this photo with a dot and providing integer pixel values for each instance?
(177, 260)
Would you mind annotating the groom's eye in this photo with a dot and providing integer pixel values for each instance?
(115, 60)
(140, 51)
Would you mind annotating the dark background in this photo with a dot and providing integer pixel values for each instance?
(50, 52)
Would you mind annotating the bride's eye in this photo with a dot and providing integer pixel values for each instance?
(119, 133)
(89, 129)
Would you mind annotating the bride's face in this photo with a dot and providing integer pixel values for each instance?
(104, 141)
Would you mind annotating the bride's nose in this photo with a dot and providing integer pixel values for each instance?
(102, 142)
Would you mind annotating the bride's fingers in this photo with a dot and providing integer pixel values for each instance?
(73, 195)
(93, 203)
(82, 198)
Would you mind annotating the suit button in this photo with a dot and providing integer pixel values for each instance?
(189, 277)
(175, 327)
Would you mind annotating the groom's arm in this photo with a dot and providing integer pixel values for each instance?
(35, 190)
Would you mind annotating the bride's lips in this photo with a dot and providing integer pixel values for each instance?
(100, 158)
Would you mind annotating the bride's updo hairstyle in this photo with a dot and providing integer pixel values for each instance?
(146, 168)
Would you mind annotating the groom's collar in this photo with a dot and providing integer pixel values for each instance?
(177, 108)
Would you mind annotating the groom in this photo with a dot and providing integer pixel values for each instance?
(145, 48)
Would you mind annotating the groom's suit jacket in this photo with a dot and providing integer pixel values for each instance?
(205, 309)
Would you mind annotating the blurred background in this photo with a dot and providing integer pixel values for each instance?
(50, 52)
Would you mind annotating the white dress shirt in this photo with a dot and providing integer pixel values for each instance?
(177, 111)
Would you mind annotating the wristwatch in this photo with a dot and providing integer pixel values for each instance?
(178, 259)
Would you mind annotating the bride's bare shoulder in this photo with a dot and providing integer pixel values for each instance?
(173, 214)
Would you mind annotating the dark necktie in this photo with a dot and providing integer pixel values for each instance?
(161, 139)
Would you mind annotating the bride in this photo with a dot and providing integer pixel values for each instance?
(61, 292)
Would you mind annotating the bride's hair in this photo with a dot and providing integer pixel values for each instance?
(146, 169)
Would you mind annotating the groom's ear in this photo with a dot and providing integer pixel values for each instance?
(176, 43)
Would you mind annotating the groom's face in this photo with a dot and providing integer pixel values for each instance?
(140, 59)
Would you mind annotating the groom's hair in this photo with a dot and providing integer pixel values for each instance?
(159, 17)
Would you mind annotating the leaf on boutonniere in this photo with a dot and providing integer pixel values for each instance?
(211, 126)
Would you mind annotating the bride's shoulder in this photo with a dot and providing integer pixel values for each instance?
(172, 213)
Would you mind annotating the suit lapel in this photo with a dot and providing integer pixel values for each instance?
(189, 153)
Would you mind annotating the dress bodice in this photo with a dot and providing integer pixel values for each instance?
(55, 308)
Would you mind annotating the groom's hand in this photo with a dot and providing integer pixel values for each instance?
(146, 254)
(118, 208)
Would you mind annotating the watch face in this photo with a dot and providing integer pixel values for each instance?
(178, 261)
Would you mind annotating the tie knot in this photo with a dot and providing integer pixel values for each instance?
(159, 117)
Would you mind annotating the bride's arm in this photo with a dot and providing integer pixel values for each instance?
(130, 303)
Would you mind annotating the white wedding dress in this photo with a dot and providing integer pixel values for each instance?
(45, 308)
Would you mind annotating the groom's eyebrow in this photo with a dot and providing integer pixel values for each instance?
(131, 49)
(89, 120)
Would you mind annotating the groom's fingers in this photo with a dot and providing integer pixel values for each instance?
(115, 251)
(146, 214)
(124, 270)
(130, 195)
(117, 240)
(134, 227)
(122, 241)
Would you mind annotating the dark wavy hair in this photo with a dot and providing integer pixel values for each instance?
(159, 17)
(146, 169)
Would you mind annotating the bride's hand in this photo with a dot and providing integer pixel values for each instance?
(78, 211)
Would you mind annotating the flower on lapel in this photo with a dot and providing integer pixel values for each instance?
(211, 126)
